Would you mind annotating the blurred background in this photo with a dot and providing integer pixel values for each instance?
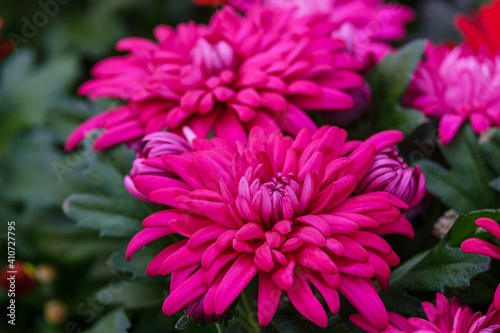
(74, 278)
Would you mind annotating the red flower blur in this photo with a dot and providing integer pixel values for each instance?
(482, 31)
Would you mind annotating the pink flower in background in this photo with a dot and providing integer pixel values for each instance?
(455, 85)
(480, 246)
(279, 208)
(390, 174)
(5, 47)
(365, 26)
(445, 317)
(263, 70)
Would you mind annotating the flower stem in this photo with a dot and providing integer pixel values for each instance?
(221, 328)
(249, 312)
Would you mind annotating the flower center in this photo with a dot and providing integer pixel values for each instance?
(284, 192)
(277, 185)
(213, 58)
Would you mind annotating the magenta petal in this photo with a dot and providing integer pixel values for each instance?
(188, 291)
(489, 225)
(479, 246)
(181, 258)
(153, 268)
(144, 237)
(122, 133)
(205, 234)
(304, 301)
(448, 126)
(233, 283)
(227, 126)
(316, 259)
(269, 298)
(330, 99)
(295, 120)
(364, 298)
(149, 183)
(179, 276)
(496, 300)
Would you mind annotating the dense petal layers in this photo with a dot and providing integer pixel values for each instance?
(444, 317)
(365, 26)
(390, 174)
(262, 69)
(455, 85)
(283, 209)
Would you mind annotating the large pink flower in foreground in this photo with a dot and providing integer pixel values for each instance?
(479, 246)
(280, 208)
(263, 70)
(455, 85)
(445, 317)
(365, 26)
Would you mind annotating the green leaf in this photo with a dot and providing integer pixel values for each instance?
(112, 211)
(436, 270)
(463, 187)
(33, 171)
(490, 147)
(141, 259)
(389, 81)
(465, 226)
(115, 217)
(114, 322)
(28, 90)
(134, 294)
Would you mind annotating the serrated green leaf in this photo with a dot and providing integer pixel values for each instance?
(112, 211)
(463, 187)
(490, 147)
(114, 322)
(134, 294)
(403, 119)
(495, 184)
(112, 216)
(33, 171)
(465, 226)
(389, 81)
(436, 270)
(29, 90)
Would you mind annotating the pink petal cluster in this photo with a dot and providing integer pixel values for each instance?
(279, 208)
(365, 26)
(479, 246)
(455, 85)
(145, 165)
(389, 173)
(445, 317)
(237, 72)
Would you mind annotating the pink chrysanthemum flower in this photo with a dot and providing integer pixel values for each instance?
(455, 85)
(145, 166)
(389, 173)
(263, 70)
(365, 26)
(283, 209)
(445, 317)
(479, 246)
